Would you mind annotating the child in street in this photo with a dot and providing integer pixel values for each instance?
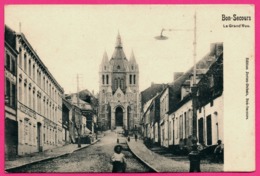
(118, 159)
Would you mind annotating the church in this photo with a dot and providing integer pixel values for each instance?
(119, 99)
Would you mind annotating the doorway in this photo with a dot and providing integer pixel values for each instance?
(39, 147)
(119, 116)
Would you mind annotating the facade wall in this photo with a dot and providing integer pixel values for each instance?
(39, 110)
(164, 121)
(182, 121)
(214, 111)
(119, 87)
(11, 126)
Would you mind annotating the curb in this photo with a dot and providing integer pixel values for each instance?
(144, 162)
(50, 158)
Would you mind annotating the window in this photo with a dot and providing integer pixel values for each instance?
(103, 79)
(116, 84)
(33, 100)
(130, 79)
(44, 83)
(30, 68)
(134, 79)
(25, 64)
(8, 61)
(122, 84)
(33, 72)
(13, 67)
(20, 90)
(25, 94)
(118, 67)
(20, 57)
(107, 80)
(8, 91)
(29, 93)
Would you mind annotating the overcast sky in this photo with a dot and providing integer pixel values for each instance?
(71, 40)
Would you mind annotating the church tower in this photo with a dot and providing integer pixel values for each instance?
(119, 90)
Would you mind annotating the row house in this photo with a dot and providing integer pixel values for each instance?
(39, 101)
(83, 122)
(176, 107)
(67, 122)
(148, 98)
(11, 125)
(209, 79)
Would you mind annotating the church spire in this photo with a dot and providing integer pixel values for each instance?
(105, 57)
(118, 41)
(132, 57)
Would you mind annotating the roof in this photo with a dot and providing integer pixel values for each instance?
(202, 66)
(10, 37)
(118, 61)
(150, 92)
(22, 37)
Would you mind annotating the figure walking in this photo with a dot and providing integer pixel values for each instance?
(118, 159)
(135, 137)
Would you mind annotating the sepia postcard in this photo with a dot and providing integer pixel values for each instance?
(129, 88)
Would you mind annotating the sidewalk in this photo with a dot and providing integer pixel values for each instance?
(160, 163)
(45, 155)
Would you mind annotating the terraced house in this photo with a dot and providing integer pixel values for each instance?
(39, 101)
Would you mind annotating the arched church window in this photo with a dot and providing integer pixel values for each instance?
(118, 67)
(107, 79)
(116, 84)
(130, 79)
(132, 67)
(122, 84)
(103, 79)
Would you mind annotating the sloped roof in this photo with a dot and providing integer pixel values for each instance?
(10, 37)
(202, 65)
(150, 92)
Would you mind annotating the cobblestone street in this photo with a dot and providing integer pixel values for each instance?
(95, 158)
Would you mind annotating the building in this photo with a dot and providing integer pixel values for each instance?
(67, 122)
(119, 102)
(39, 102)
(11, 125)
(150, 104)
(84, 119)
(177, 107)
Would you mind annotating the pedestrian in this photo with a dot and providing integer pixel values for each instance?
(118, 159)
(136, 137)
(218, 152)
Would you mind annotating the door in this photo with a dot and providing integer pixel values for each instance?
(39, 147)
(119, 116)
(201, 135)
(209, 130)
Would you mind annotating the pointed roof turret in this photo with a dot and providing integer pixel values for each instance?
(132, 57)
(105, 57)
(118, 41)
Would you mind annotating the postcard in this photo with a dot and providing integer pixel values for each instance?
(129, 88)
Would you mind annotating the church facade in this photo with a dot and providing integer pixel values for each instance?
(119, 99)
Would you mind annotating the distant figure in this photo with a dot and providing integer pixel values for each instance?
(136, 137)
(218, 152)
(118, 159)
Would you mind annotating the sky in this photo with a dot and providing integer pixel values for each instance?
(71, 39)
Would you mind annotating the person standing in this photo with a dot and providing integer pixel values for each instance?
(118, 160)
(135, 137)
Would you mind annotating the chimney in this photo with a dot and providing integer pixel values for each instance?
(176, 75)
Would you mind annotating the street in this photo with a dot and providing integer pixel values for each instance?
(95, 158)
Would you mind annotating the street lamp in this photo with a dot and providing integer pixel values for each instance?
(194, 87)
